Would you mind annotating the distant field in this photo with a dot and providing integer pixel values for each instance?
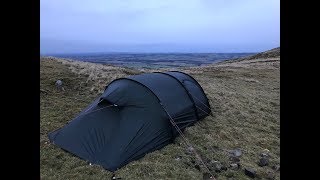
(245, 100)
(153, 60)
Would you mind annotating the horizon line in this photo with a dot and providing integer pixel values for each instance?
(140, 52)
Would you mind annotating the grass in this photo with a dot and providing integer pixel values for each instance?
(244, 96)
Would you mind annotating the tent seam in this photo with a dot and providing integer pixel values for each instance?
(188, 93)
(197, 83)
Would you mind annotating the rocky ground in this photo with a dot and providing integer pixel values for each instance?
(240, 141)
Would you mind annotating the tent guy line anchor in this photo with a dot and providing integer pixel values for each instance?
(187, 142)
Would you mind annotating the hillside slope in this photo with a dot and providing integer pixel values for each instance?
(244, 96)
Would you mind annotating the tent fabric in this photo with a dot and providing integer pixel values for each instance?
(131, 118)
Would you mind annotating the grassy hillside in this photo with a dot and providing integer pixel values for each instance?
(244, 96)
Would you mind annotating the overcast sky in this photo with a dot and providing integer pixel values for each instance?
(75, 26)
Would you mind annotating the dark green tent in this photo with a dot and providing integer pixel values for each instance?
(132, 118)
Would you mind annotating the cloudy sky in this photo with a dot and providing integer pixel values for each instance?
(76, 26)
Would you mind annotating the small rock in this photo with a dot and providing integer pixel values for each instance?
(234, 159)
(236, 152)
(178, 158)
(276, 167)
(250, 172)
(263, 161)
(190, 150)
(59, 85)
(114, 177)
(234, 166)
(264, 155)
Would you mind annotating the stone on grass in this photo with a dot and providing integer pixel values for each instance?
(178, 158)
(264, 155)
(59, 85)
(234, 166)
(263, 161)
(250, 172)
(236, 152)
(190, 150)
(59, 82)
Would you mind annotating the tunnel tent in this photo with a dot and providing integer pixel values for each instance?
(132, 118)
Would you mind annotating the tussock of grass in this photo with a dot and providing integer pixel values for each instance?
(244, 98)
